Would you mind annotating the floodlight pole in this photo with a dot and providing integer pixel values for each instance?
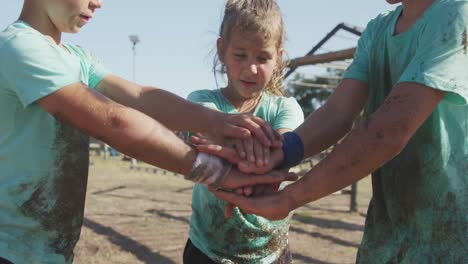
(135, 40)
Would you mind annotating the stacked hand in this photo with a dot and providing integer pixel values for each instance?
(244, 126)
(249, 155)
(252, 157)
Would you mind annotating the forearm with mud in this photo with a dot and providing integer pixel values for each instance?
(367, 147)
(370, 145)
(360, 153)
(143, 138)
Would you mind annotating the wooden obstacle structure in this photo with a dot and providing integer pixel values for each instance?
(322, 58)
(312, 59)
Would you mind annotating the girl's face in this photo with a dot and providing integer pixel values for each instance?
(250, 62)
(71, 15)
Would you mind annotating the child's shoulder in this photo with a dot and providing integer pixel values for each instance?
(205, 95)
(279, 100)
(18, 35)
(21, 43)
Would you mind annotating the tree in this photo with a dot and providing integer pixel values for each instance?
(311, 93)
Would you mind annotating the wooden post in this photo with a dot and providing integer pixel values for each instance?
(353, 204)
(322, 58)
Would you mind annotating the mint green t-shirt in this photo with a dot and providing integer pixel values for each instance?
(43, 162)
(243, 238)
(419, 209)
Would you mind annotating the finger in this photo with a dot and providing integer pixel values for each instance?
(266, 155)
(269, 206)
(248, 190)
(255, 125)
(229, 210)
(239, 191)
(249, 151)
(268, 130)
(291, 177)
(199, 140)
(226, 153)
(249, 167)
(242, 180)
(259, 189)
(240, 148)
(258, 150)
(246, 204)
(233, 143)
(236, 131)
(194, 139)
(278, 143)
(231, 198)
(272, 177)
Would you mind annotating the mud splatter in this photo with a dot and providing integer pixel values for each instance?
(58, 200)
(465, 41)
(22, 188)
(286, 257)
(380, 134)
(276, 243)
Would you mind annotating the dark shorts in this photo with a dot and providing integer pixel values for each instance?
(4, 261)
(192, 255)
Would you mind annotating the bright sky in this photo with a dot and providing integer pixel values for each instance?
(178, 37)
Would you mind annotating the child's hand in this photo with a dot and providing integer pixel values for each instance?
(246, 126)
(204, 144)
(258, 190)
(275, 158)
(250, 150)
(238, 151)
(256, 152)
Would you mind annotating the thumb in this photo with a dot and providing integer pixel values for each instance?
(270, 178)
(231, 198)
(232, 131)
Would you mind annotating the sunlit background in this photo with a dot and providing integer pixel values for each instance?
(178, 37)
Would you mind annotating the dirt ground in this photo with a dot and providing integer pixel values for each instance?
(142, 216)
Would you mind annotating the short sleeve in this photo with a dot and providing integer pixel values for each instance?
(95, 68)
(442, 55)
(34, 68)
(359, 68)
(289, 116)
(97, 71)
(203, 97)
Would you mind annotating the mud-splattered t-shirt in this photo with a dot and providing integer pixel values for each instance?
(419, 209)
(43, 162)
(243, 238)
